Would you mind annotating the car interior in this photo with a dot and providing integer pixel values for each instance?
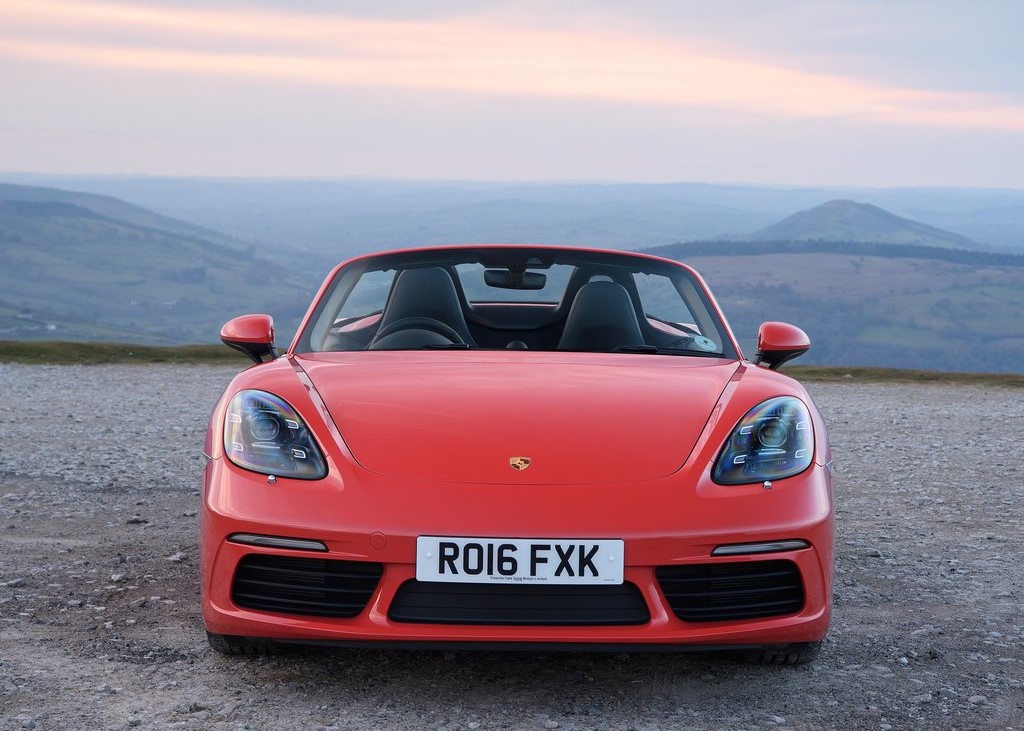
(592, 307)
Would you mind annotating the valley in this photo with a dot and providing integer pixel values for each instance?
(870, 287)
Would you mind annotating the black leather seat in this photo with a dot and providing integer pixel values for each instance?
(424, 293)
(602, 318)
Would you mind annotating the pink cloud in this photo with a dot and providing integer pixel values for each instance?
(477, 55)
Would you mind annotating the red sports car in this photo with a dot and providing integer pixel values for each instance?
(517, 446)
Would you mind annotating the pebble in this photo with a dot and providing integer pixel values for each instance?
(977, 699)
(920, 699)
(177, 557)
(550, 724)
(14, 583)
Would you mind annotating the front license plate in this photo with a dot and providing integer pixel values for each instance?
(519, 560)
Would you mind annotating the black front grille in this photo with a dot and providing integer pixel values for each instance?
(715, 592)
(312, 586)
(518, 604)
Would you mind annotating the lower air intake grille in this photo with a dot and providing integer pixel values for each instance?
(517, 604)
(311, 586)
(722, 591)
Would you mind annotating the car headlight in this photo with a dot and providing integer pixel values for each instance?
(263, 433)
(774, 440)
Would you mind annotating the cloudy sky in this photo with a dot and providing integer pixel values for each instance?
(852, 92)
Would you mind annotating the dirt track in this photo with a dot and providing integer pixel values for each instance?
(100, 627)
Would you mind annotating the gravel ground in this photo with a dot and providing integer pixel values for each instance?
(100, 624)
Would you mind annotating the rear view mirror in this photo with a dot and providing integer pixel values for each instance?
(505, 279)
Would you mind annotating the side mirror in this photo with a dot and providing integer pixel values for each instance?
(251, 334)
(778, 342)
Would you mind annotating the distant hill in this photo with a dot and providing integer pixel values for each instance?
(325, 220)
(895, 305)
(848, 221)
(72, 268)
(78, 266)
(105, 205)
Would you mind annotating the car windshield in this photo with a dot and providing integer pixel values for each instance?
(516, 298)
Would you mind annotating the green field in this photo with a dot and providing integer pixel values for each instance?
(70, 353)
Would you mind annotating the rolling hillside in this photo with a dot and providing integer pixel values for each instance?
(328, 219)
(74, 271)
(873, 304)
(89, 267)
(848, 221)
(113, 208)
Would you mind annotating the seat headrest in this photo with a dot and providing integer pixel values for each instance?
(601, 318)
(426, 292)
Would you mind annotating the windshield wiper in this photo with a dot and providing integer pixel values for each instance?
(445, 346)
(655, 350)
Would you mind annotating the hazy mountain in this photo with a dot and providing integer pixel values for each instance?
(69, 271)
(1001, 227)
(893, 305)
(848, 221)
(72, 267)
(326, 220)
(105, 205)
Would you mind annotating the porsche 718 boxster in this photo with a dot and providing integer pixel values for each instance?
(516, 447)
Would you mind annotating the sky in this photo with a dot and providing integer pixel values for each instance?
(788, 92)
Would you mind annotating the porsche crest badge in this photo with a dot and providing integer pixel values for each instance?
(519, 463)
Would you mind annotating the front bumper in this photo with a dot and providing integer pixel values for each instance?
(354, 527)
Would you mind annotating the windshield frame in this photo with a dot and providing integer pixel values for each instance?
(342, 279)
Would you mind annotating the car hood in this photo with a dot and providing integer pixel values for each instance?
(454, 416)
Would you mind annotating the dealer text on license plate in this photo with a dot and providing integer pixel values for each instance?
(519, 560)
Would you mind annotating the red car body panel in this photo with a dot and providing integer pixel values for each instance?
(418, 443)
(463, 424)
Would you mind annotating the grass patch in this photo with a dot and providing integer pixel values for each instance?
(902, 375)
(51, 352)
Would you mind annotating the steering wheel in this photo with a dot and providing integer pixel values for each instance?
(421, 323)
